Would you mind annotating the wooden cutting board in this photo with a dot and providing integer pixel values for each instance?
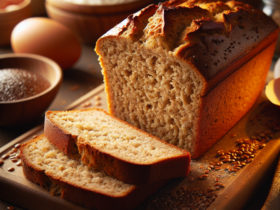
(211, 188)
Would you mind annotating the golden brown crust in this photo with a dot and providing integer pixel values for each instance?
(63, 140)
(121, 169)
(211, 36)
(215, 39)
(134, 173)
(87, 198)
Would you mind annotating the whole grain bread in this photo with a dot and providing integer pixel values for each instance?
(109, 144)
(46, 165)
(187, 71)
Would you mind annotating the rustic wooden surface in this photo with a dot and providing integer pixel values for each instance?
(240, 186)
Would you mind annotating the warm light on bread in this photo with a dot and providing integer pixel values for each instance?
(187, 71)
(109, 144)
(49, 167)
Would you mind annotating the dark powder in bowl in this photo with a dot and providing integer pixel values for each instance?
(18, 84)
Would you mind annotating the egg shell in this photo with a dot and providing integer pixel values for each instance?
(48, 38)
(272, 91)
(277, 69)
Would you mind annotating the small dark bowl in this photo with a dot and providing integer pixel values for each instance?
(28, 109)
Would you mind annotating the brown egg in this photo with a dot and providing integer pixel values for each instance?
(272, 91)
(48, 38)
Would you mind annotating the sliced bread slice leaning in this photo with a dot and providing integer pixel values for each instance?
(109, 144)
(47, 166)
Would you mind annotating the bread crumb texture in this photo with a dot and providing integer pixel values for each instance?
(112, 136)
(43, 155)
(157, 63)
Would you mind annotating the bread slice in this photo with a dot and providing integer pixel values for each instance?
(187, 71)
(47, 166)
(109, 144)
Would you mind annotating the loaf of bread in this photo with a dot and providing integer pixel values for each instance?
(47, 166)
(187, 71)
(109, 144)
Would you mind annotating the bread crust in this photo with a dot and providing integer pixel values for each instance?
(88, 198)
(216, 39)
(119, 168)
(63, 140)
(212, 47)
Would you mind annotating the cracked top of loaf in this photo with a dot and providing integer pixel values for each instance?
(209, 35)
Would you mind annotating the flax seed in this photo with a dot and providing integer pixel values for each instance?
(239, 141)
(249, 160)
(97, 97)
(17, 145)
(5, 156)
(14, 160)
(210, 189)
(226, 160)
(97, 103)
(218, 168)
(206, 171)
(19, 163)
(11, 169)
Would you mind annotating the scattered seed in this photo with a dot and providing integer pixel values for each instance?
(17, 145)
(97, 103)
(217, 179)
(12, 155)
(249, 160)
(232, 135)
(5, 156)
(11, 169)
(14, 160)
(86, 104)
(97, 97)
(206, 171)
(226, 160)
(14, 150)
(19, 163)
(210, 189)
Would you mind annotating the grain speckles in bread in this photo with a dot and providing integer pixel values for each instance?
(109, 144)
(49, 167)
(187, 71)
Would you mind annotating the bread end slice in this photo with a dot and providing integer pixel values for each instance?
(47, 166)
(110, 144)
